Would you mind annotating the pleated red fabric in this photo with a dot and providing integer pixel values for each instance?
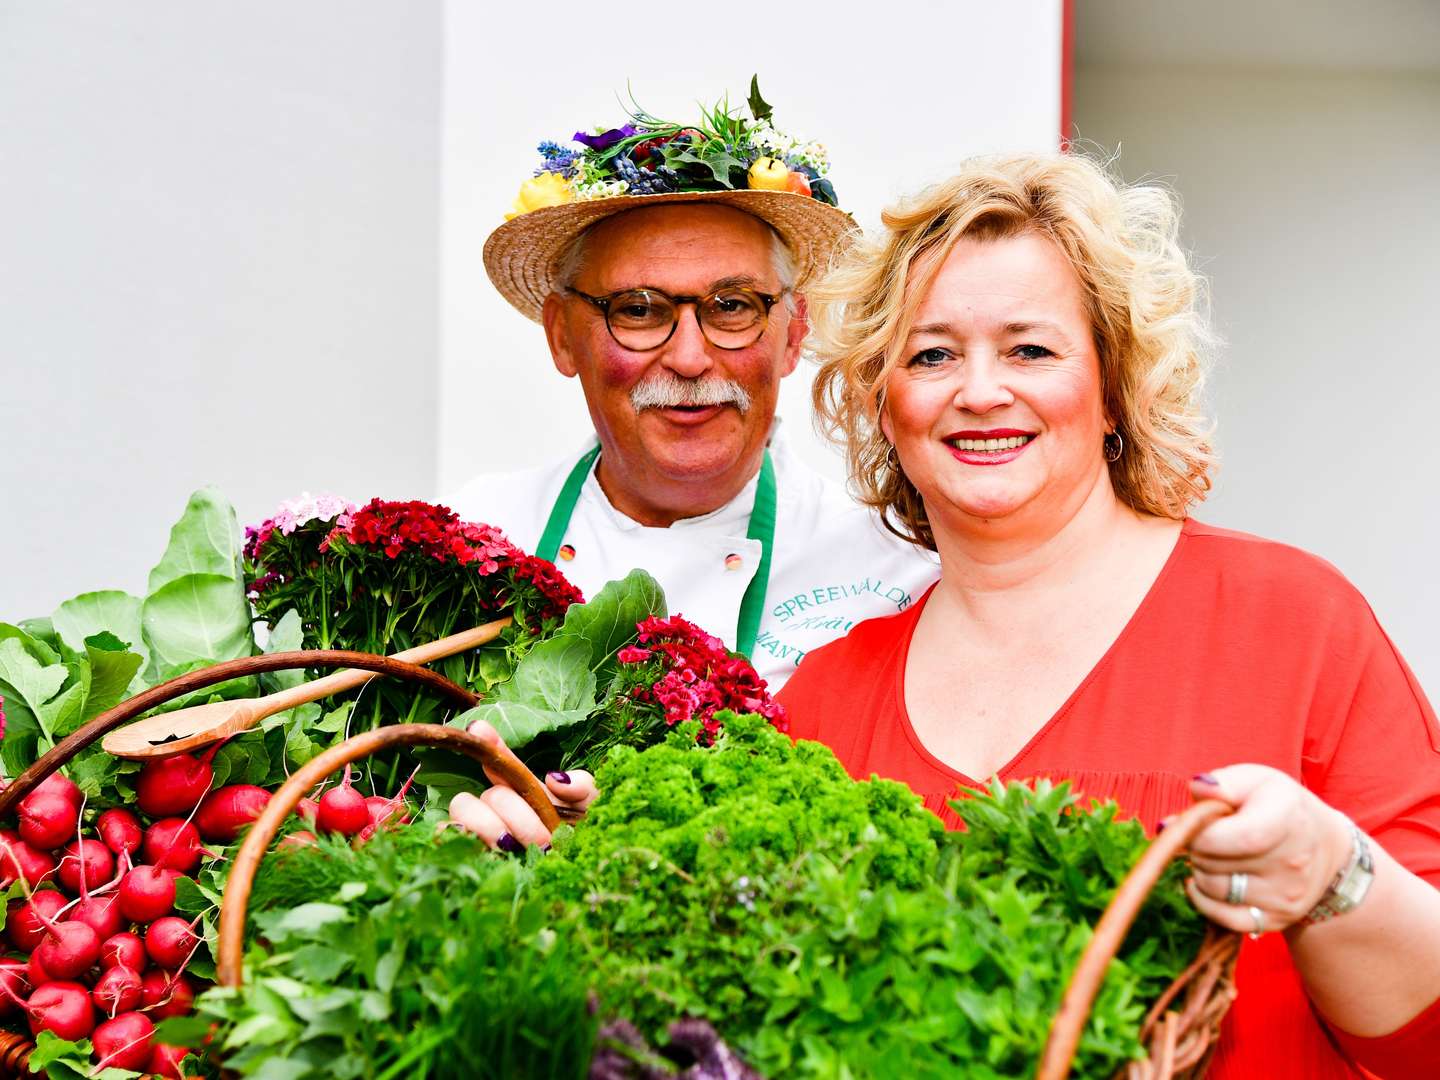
(1244, 650)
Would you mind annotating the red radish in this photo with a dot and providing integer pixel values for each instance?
(86, 863)
(299, 839)
(124, 1042)
(342, 809)
(19, 860)
(59, 784)
(165, 1061)
(170, 941)
(47, 819)
(175, 784)
(173, 844)
(123, 950)
(383, 811)
(166, 995)
(12, 984)
(117, 991)
(69, 950)
(25, 928)
(120, 830)
(307, 810)
(101, 913)
(146, 893)
(62, 1008)
(36, 973)
(225, 812)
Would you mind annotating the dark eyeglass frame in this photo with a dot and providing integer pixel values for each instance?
(602, 304)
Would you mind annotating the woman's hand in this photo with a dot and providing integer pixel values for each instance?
(501, 817)
(1285, 841)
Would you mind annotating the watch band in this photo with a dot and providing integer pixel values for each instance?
(1351, 883)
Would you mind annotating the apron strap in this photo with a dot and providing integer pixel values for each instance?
(564, 507)
(762, 528)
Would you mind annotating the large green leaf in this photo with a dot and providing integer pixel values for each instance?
(198, 617)
(196, 608)
(112, 672)
(206, 540)
(286, 636)
(554, 675)
(42, 651)
(519, 723)
(28, 687)
(93, 612)
(607, 623)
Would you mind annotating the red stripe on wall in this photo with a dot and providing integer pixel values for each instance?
(1067, 67)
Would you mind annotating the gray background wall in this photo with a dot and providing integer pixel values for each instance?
(1305, 144)
(219, 236)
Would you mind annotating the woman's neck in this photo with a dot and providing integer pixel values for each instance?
(987, 568)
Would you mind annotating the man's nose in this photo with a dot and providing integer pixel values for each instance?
(982, 386)
(687, 353)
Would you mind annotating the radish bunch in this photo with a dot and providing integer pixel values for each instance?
(102, 953)
(98, 950)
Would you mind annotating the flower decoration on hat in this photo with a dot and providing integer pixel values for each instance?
(724, 151)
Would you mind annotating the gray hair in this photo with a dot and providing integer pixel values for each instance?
(572, 261)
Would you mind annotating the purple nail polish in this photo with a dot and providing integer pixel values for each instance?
(510, 844)
(560, 777)
(1206, 778)
(1161, 827)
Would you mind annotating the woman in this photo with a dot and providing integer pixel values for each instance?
(1015, 365)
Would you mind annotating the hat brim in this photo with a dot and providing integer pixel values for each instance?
(523, 254)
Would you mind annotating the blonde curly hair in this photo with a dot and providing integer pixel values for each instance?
(1145, 304)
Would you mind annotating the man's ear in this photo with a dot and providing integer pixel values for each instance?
(557, 336)
(795, 335)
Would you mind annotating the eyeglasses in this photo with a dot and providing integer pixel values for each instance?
(645, 319)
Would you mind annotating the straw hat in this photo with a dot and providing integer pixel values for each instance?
(523, 255)
(649, 162)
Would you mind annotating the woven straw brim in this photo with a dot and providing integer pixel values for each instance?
(523, 254)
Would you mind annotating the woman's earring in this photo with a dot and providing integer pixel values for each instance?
(1114, 446)
(892, 459)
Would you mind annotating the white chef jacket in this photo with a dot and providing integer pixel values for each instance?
(833, 565)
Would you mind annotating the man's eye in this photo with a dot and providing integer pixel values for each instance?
(929, 358)
(1032, 352)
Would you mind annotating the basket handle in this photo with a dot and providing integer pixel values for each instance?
(1069, 1022)
(488, 750)
(123, 713)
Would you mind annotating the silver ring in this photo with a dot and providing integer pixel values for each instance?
(1258, 917)
(1238, 883)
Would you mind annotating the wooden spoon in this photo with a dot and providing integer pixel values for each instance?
(185, 729)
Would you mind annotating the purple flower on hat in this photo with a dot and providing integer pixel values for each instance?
(606, 139)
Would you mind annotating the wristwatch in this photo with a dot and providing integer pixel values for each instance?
(1350, 884)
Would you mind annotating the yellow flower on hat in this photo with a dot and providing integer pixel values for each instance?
(547, 189)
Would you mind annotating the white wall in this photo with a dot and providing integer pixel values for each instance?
(1312, 203)
(898, 94)
(218, 263)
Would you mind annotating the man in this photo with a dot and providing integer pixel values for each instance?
(679, 313)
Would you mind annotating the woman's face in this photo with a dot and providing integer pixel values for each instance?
(995, 408)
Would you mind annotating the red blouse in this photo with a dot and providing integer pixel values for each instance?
(1243, 650)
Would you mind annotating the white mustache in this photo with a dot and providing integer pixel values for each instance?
(666, 390)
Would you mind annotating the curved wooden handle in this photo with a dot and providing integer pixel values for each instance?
(126, 711)
(1069, 1022)
(490, 752)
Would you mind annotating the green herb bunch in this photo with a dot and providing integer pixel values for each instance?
(414, 956)
(826, 928)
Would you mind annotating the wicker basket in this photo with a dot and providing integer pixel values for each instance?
(1180, 1030)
